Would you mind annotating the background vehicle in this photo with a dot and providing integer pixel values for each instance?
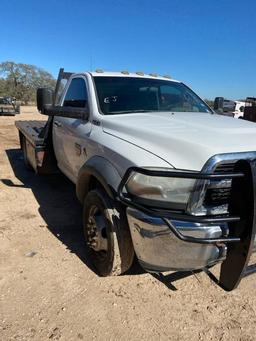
(229, 107)
(250, 109)
(157, 171)
(9, 106)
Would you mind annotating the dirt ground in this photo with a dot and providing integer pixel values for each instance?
(49, 291)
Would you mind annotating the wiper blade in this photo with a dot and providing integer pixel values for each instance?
(142, 110)
(130, 111)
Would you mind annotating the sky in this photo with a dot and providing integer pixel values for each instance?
(209, 45)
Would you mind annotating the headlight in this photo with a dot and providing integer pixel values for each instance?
(195, 196)
(173, 191)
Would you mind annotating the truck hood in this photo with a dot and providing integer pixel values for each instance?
(184, 140)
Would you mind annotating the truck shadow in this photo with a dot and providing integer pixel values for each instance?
(62, 212)
(57, 201)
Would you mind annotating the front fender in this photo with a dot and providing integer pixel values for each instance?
(103, 171)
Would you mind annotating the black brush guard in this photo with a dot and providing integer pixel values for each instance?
(241, 218)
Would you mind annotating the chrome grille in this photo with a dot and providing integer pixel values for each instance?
(219, 196)
(222, 168)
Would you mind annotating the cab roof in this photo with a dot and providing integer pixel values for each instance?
(101, 73)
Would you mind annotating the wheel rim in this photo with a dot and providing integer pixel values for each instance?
(96, 231)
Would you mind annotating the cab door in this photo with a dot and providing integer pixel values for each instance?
(70, 135)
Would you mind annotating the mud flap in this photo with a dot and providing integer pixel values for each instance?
(243, 196)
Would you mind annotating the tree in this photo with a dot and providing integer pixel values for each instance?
(2, 86)
(22, 80)
(209, 102)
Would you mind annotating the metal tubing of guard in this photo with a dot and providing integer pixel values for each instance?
(179, 174)
(198, 240)
(243, 196)
(179, 216)
(251, 269)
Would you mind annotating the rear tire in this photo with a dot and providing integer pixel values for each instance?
(107, 234)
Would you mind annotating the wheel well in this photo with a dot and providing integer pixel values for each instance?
(94, 183)
(94, 173)
(89, 183)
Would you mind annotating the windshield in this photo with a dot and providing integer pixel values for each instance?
(121, 95)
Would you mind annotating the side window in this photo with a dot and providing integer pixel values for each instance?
(76, 95)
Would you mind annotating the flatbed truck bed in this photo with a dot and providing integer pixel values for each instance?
(36, 143)
(32, 130)
(7, 112)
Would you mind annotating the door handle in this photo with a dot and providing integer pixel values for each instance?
(57, 124)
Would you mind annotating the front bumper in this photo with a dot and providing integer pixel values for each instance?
(158, 249)
(170, 240)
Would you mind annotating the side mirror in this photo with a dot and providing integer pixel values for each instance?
(218, 103)
(44, 98)
(46, 107)
(71, 112)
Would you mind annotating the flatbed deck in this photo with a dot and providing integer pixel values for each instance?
(31, 130)
(36, 143)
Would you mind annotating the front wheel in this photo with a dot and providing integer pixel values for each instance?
(107, 234)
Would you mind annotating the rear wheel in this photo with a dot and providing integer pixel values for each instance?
(107, 234)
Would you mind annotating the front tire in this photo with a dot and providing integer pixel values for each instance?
(107, 234)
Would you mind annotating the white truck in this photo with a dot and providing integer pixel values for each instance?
(239, 109)
(157, 172)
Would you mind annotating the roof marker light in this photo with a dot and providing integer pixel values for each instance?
(153, 74)
(99, 71)
(139, 73)
(125, 72)
(167, 76)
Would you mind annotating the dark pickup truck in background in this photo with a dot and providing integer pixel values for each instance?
(9, 106)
